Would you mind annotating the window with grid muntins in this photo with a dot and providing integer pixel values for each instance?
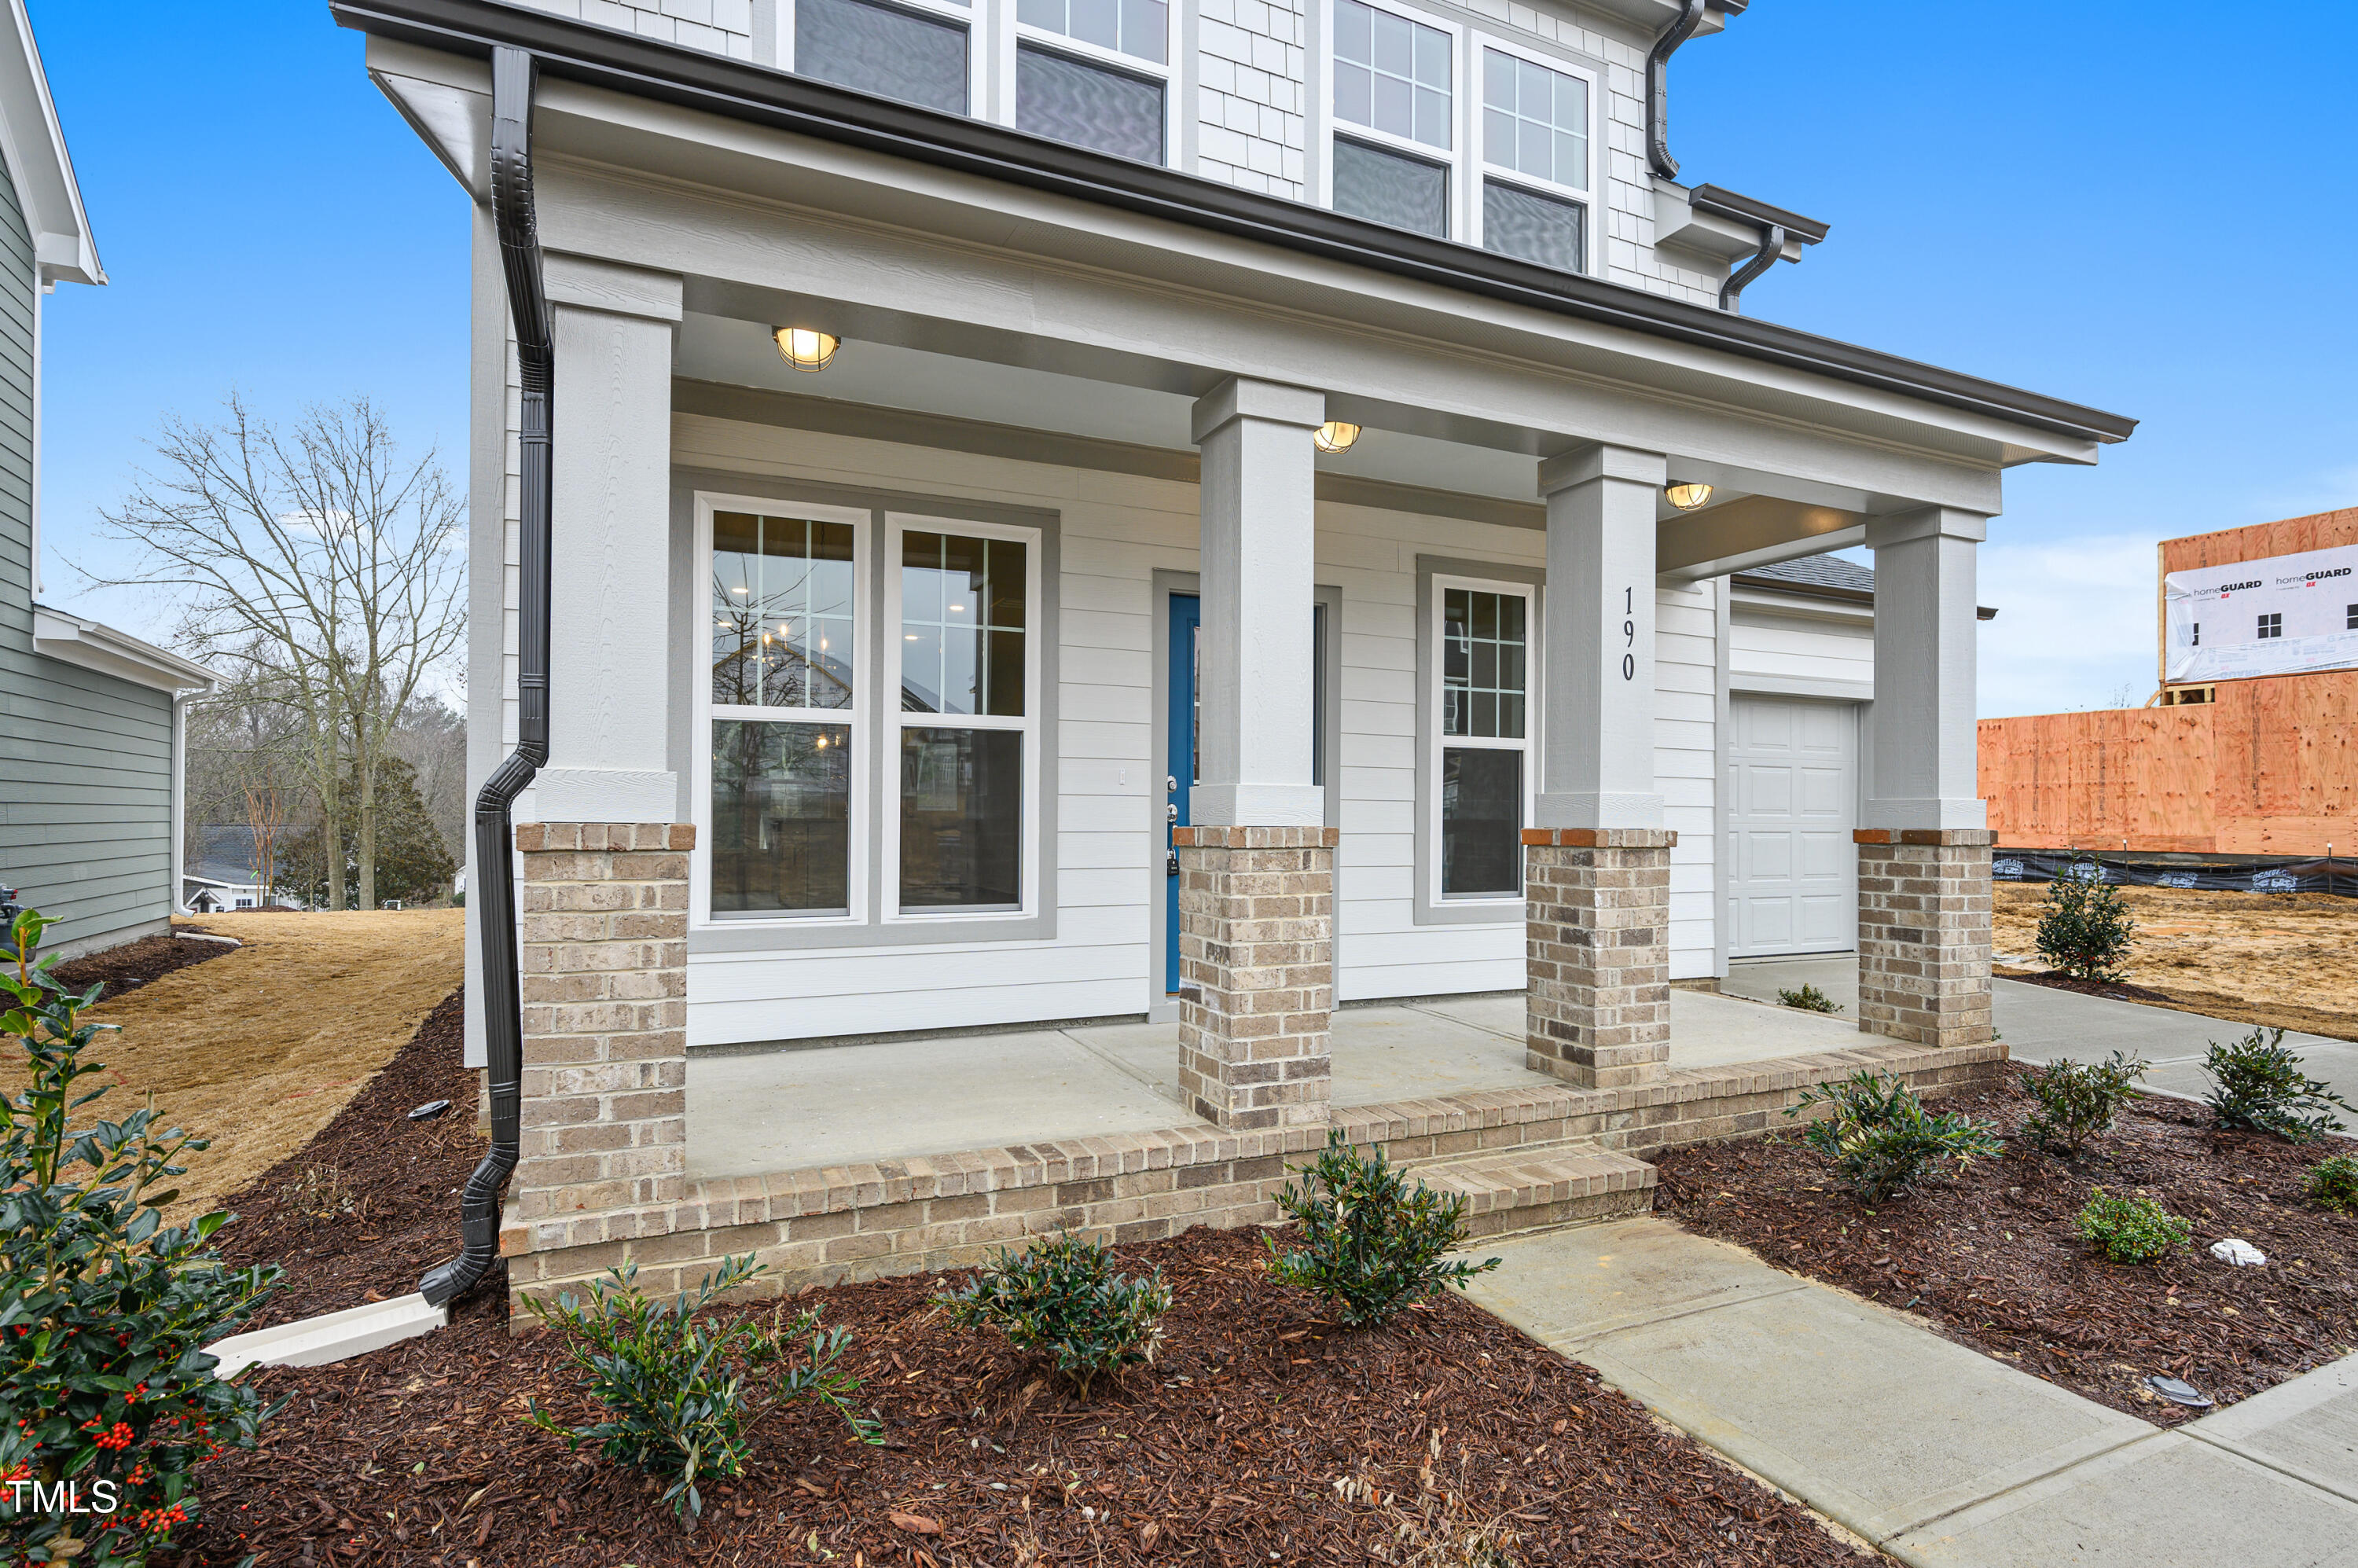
(1391, 74)
(1534, 120)
(1482, 665)
(1138, 27)
(2272, 625)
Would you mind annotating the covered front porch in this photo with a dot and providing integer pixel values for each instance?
(856, 1102)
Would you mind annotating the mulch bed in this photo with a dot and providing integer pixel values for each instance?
(2116, 990)
(360, 1212)
(1992, 1259)
(1261, 1434)
(134, 964)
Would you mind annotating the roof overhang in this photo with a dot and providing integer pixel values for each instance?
(73, 640)
(1623, 326)
(35, 146)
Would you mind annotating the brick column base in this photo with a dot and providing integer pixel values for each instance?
(1598, 953)
(1924, 934)
(1256, 974)
(603, 910)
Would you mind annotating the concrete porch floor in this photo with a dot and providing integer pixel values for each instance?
(749, 1113)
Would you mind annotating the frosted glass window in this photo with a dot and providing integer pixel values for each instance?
(1390, 188)
(883, 49)
(1519, 222)
(1087, 105)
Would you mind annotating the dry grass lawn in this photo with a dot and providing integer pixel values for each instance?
(257, 1050)
(2285, 959)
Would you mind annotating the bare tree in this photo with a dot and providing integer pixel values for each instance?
(320, 568)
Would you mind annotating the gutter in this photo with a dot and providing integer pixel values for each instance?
(1658, 88)
(513, 72)
(622, 62)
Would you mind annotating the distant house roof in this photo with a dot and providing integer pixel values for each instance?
(1818, 571)
(1823, 577)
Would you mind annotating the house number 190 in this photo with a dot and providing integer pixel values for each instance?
(1630, 632)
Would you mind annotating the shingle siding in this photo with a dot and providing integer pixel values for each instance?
(85, 759)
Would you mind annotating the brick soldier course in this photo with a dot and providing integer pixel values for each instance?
(1598, 953)
(1256, 974)
(1924, 934)
(603, 909)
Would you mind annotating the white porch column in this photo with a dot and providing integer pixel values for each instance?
(1597, 743)
(610, 553)
(1924, 853)
(1256, 862)
(1257, 597)
(1596, 867)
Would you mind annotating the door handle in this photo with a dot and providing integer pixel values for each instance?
(1171, 811)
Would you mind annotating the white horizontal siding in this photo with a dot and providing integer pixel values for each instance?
(1117, 531)
(1763, 643)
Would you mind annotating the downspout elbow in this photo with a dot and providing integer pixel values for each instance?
(1658, 87)
(1772, 246)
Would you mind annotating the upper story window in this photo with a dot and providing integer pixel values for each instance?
(1096, 73)
(918, 56)
(1394, 84)
(1535, 130)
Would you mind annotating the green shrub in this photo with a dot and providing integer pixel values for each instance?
(2131, 1230)
(1374, 1241)
(2257, 1084)
(2085, 930)
(2333, 1183)
(103, 1308)
(682, 1387)
(1063, 1298)
(1881, 1139)
(1810, 999)
(2078, 1100)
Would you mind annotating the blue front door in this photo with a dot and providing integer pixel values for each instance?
(1179, 749)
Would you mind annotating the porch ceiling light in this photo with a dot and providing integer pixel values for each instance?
(1335, 436)
(803, 349)
(1687, 497)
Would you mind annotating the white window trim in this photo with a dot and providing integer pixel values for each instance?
(1015, 31)
(980, 35)
(1529, 746)
(897, 524)
(1326, 125)
(864, 690)
(1477, 142)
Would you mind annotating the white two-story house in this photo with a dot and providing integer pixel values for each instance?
(1180, 514)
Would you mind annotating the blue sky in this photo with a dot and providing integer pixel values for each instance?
(2138, 207)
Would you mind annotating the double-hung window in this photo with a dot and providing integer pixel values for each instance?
(965, 740)
(1394, 108)
(1096, 73)
(1482, 763)
(787, 698)
(920, 52)
(1535, 157)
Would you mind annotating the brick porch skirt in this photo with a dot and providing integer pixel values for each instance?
(948, 1211)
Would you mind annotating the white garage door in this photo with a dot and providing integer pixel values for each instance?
(1792, 793)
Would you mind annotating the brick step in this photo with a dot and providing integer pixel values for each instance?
(1528, 1189)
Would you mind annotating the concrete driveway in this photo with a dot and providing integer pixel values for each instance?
(2039, 1023)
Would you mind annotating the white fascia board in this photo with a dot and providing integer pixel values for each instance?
(663, 162)
(38, 163)
(70, 639)
(1801, 605)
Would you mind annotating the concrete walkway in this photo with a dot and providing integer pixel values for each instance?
(1938, 1454)
(2039, 1023)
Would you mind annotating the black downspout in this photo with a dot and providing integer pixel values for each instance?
(1658, 88)
(1772, 246)
(512, 73)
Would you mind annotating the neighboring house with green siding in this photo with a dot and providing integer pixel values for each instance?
(91, 719)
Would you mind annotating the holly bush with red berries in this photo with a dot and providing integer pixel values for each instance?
(103, 1308)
